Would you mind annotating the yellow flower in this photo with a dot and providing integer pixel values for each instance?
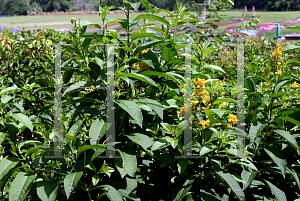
(91, 88)
(278, 72)
(218, 124)
(267, 84)
(229, 126)
(221, 105)
(136, 66)
(200, 82)
(232, 119)
(295, 85)
(144, 51)
(196, 122)
(194, 102)
(181, 111)
(206, 100)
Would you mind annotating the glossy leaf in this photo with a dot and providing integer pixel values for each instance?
(233, 184)
(279, 194)
(70, 182)
(47, 190)
(7, 164)
(21, 185)
(132, 109)
(97, 131)
(278, 157)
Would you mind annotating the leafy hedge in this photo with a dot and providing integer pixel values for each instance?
(149, 115)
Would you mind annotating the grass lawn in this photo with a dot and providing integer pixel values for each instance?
(63, 21)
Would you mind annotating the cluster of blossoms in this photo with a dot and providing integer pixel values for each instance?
(91, 89)
(202, 93)
(203, 123)
(232, 119)
(277, 55)
(144, 51)
(295, 85)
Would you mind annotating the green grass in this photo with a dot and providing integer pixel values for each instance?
(63, 21)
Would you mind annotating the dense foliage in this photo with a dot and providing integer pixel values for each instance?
(20, 7)
(149, 114)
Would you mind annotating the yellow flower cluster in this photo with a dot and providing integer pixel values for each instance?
(232, 119)
(218, 124)
(267, 84)
(204, 95)
(229, 126)
(92, 88)
(144, 51)
(295, 85)
(221, 105)
(144, 67)
(204, 123)
(136, 66)
(278, 52)
(278, 55)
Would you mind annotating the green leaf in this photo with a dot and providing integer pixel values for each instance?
(291, 139)
(2, 138)
(148, 45)
(112, 193)
(182, 165)
(132, 109)
(219, 112)
(23, 119)
(280, 84)
(138, 35)
(97, 131)
(223, 100)
(106, 169)
(279, 94)
(218, 68)
(47, 190)
(248, 175)
(154, 105)
(294, 121)
(140, 77)
(279, 194)
(75, 127)
(247, 163)
(206, 149)
(9, 89)
(152, 17)
(255, 130)
(129, 160)
(233, 184)
(141, 139)
(294, 175)
(70, 182)
(87, 147)
(21, 185)
(13, 130)
(289, 48)
(7, 164)
(278, 157)
(95, 180)
(155, 73)
(162, 143)
(180, 128)
(235, 152)
(146, 4)
(181, 190)
(174, 142)
(207, 196)
(252, 67)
